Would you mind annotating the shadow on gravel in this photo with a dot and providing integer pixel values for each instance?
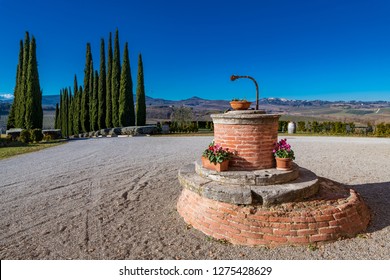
(377, 197)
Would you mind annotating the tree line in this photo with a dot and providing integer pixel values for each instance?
(26, 110)
(106, 98)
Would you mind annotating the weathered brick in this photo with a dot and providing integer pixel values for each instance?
(320, 237)
(266, 230)
(260, 218)
(324, 218)
(299, 226)
(252, 235)
(236, 238)
(329, 230)
(298, 239)
(256, 242)
(339, 215)
(282, 232)
(303, 219)
(321, 224)
(304, 232)
(240, 226)
(228, 228)
(277, 239)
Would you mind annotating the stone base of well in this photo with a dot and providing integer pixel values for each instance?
(265, 187)
(334, 212)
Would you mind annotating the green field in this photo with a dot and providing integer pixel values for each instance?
(19, 148)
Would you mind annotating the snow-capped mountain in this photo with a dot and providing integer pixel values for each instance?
(6, 96)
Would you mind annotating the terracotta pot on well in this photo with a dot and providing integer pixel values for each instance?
(240, 105)
(223, 166)
(283, 163)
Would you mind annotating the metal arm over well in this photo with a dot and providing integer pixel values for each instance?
(235, 77)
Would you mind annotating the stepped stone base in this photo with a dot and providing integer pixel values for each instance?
(264, 187)
(334, 212)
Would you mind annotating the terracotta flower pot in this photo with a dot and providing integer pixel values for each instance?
(223, 166)
(283, 163)
(240, 105)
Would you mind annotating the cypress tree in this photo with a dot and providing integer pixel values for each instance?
(116, 73)
(85, 96)
(22, 85)
(76, 107)
(80, 92)
(94, 101)
(91, 98)
(34, 113)
(140, 108)
(57, 117)
(64, 113)
(14, 109)
(102, 88)
(70, 113)
(108, 85)
(126, 103)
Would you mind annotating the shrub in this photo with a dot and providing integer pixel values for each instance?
(36, 135)
(49, 137)
(301, 126)
(24, 136)
(283, 126)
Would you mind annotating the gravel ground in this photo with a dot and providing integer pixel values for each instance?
(115, 198)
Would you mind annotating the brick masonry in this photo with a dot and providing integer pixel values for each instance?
(252, 136)
(335, 213)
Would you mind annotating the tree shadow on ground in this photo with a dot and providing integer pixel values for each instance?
(377, 197)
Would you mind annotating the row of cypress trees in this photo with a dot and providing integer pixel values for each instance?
(106, 98)
(26, 111)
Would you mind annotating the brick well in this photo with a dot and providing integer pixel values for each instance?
(251, 134)
(252, 205)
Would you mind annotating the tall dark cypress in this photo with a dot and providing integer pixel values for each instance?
(80, 93)
(85, 96)
(65, 113)
(34, 113)
(91, 97)
(21, 106)
(116, 78)
(57, 117)
(140, 108)
(102, 88)
(94, 101)
(59, 120)
(76, 107)
(70, 112)
(108, 85)
(14, 109)
(126, 102)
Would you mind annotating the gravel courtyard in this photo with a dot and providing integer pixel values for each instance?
(115, 198)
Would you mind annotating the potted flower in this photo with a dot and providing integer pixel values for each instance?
(284, 155)
(240, 104)
(216, 158)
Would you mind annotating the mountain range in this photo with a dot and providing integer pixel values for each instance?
(161, 109)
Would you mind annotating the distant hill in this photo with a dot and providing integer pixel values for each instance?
(161, 109)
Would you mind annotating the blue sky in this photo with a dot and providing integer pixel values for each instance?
(319, 49)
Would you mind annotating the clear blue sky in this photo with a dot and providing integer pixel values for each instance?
(318, 49)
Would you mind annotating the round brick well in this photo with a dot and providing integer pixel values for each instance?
(253, 203)
(252, 134)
